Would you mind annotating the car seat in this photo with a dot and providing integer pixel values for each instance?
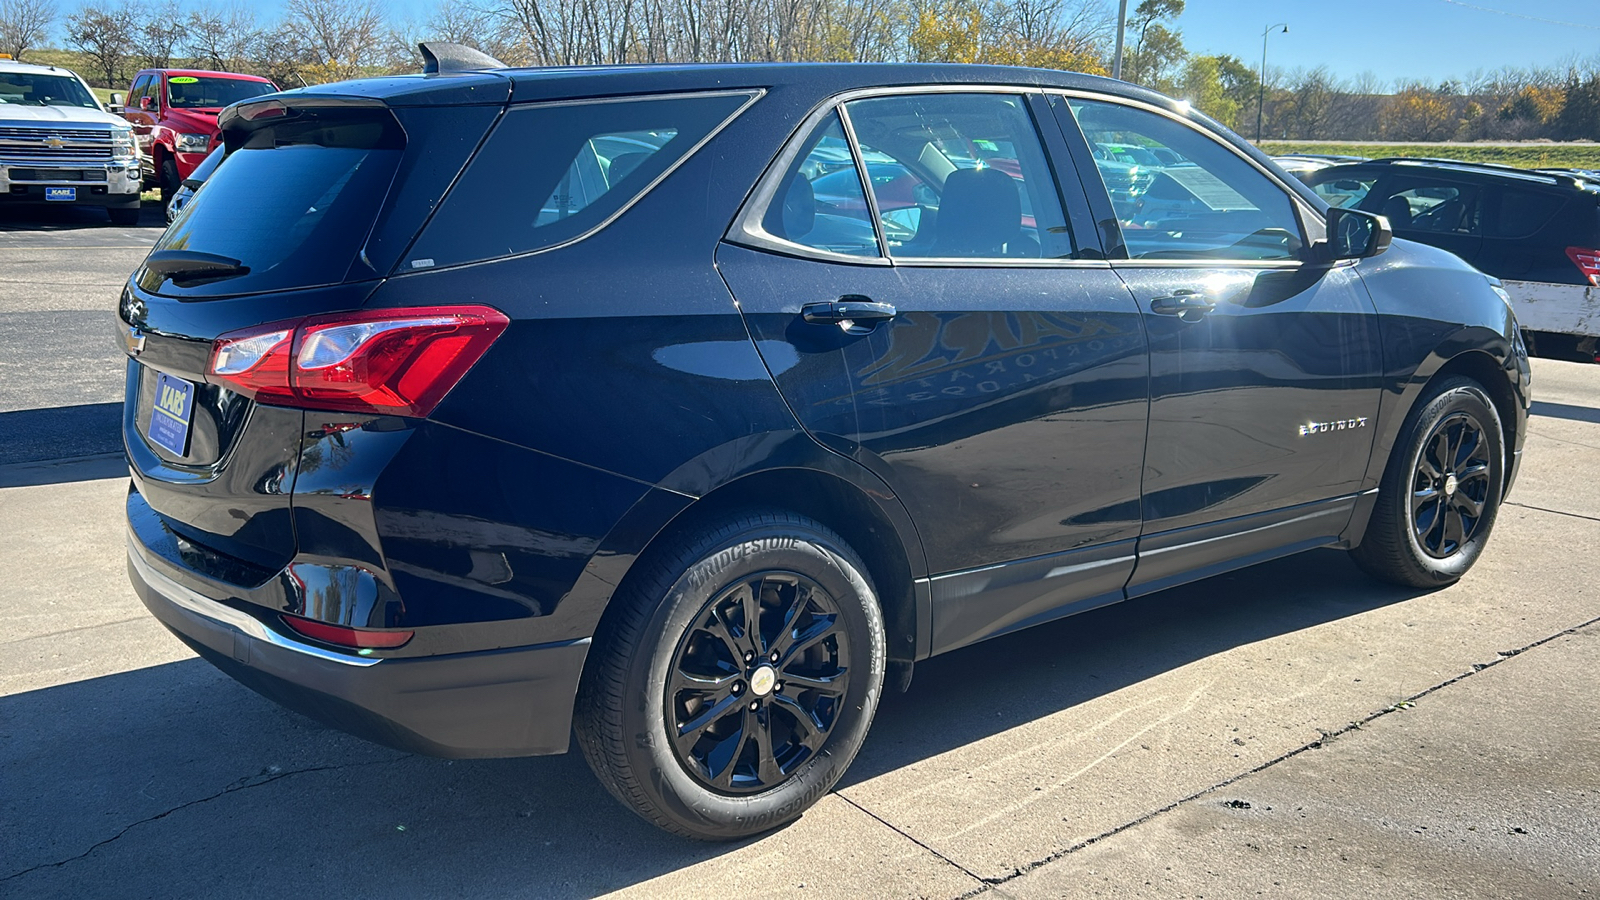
(980, 213)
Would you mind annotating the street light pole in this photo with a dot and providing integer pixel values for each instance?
(1122, 22)
(1261, 96)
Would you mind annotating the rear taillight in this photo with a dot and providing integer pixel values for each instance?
(1587, 261)
(397, 362)
(345, 636)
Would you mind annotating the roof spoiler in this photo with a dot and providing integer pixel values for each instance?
(444, 56)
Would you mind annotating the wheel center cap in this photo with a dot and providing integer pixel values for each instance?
(762, 681)
(1450, 485)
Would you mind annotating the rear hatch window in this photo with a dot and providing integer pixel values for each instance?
(553, 173)
(291, 208)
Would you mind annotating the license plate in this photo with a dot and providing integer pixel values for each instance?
(169, 420)
(69, 194)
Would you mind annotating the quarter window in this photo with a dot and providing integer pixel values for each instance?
(960, 176)
(819, 202)
(1180, 194)
(550, 174)
(1433, 207)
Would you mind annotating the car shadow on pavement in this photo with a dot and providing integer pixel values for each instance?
(67, 218)
(1565, 411)
(175, 781)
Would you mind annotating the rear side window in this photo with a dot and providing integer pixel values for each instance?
(1523, 212)
(550, 174)
(294, 204)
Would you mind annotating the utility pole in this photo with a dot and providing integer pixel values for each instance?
(1261, 96)
(1122, 23)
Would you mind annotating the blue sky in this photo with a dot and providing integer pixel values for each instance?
(1427, 40)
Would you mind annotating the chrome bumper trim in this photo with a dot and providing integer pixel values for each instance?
(208, 608)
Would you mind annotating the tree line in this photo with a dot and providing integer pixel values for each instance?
(315, 41)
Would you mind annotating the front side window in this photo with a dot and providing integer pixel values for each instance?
(1422, 205)
(960, 176)
(550, 174)
(1209, 204)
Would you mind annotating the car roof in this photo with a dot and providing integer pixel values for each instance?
(11, 65)
(556, 83)
(1492, 171)
(211, 72)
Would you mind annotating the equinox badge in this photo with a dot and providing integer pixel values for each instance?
(1335, 425)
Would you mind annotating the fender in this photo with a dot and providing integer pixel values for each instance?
(719, 473)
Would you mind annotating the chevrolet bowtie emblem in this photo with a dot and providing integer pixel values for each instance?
(54, 142)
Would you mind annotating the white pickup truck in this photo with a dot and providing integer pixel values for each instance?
(59, 146)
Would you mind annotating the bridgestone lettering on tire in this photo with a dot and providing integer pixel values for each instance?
(1440, 491)
(732, 683)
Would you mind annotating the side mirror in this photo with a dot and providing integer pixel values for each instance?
(114, 103)
(147, 103)
(1353, 234)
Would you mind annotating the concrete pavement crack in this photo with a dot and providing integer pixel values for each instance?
(1326, 738)
(1556, 512)
(937, 855)
(243, 784)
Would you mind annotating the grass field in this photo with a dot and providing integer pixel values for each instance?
(1527, 156)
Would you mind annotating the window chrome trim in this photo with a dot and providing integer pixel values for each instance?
(402, 267)
(746, 230)
(864, 177)
(1307, 215)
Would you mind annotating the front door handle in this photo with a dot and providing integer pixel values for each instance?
(1187, 304)
(848, 311)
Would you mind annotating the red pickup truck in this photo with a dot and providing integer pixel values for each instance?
(174, 116)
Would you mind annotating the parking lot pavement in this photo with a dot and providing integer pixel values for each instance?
(1084, 756)
(60, 373)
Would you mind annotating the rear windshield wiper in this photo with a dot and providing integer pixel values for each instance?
(188, 268)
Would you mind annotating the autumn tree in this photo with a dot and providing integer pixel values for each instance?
(1156, 51)
(157, 34)
(104, 32)
(335, 39)
(1417, 113)
(24, 25)
(1579, 119)
(220, 37)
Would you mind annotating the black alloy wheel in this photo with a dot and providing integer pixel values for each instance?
(734, 676)
(757, 682)
(1441, 491)
(1451, 486)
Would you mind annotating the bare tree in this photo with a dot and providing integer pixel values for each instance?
(159, 32)
(25, 24)
(103, 32)
(221, 37)
(336, 38)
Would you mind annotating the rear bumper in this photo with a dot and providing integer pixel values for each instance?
(510, 702)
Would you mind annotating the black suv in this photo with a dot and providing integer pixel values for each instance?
(1538, 231)
(691, 405)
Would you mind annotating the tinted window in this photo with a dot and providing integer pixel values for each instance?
(1342, 190)
(1523, 212)
(1212, 205)
(819, 202)
(29, 89)
(203, 92)
(1436, 207)
(549, 174)
(961, 176)
(295, 202)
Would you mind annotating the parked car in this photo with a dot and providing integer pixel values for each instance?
(697, 470)
(58, 146)
(174, 114)
(1537, 231)
(193, 182)
(1300, 166)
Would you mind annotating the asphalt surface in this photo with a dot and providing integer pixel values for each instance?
(61, 374)
(1289, 730)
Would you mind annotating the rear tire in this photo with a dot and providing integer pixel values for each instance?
(716, 731)
(170, 182)
(1440, 492)
(124, 218)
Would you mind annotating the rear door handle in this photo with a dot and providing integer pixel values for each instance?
(849, 310)
(1189, 305)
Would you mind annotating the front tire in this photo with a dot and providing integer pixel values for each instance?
(1440, 492)
(736, 680)
(170, 182)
